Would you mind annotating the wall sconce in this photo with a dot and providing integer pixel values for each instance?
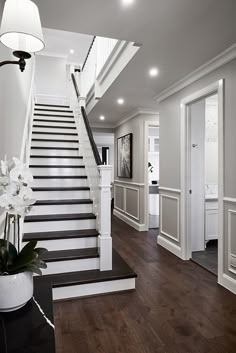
(21, 30)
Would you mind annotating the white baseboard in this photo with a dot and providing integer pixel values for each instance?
(129, 221)
(227, 282)
(173, 248)
(83, 290)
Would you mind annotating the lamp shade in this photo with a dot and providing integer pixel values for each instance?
(21, 26)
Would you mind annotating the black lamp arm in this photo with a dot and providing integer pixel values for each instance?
(21, 62)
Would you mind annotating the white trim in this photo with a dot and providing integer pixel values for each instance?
(170, 246)
(129, 183)
(138, 199)
(216, 87)
(232, 270)
(178, 214)
(83, 290)
(227, 282)
(121, 187)
(135, 113)
(177, 191)
(229, 199)
(51, 54)
(220, 60)
(129, 221)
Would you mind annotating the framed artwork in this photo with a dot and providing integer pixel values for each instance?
(124, 156)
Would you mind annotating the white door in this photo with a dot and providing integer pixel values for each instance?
(197, 157)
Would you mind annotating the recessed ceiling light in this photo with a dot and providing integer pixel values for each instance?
(102, 117)
(127, 2)
(120, 101)
(153, 72)
(72, 51)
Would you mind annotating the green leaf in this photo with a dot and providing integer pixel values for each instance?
(40, 251)
(28, 248)
(33, 269)
(23, 260)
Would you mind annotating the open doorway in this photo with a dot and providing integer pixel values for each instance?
(203, 188)
(153, 177)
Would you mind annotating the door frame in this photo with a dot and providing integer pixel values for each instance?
(215, 88)
(147, 124)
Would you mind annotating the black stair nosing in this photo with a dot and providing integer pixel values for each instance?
(57, 166)
(52, 105)
(63, 202)
(73, 254)
(59, 217)
(55, 133)
(60, 177)
(58, 188)
(120, 271)
(55, 127)
(52, 110)
(57, 140)
(55, 148)
(61, 235)
(55, 121)
(55, 115)
(57, 157)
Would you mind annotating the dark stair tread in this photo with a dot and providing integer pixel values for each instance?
(55, 140)
(55, 148)
(52, 110)
(63, 202)
(64, 188)
(61, 157)
(56, 166)
(55, 115)
(55, 127)
(73, 254)
(54, 121)
(54, 133)
(60, 177)
(65, 234)
(59, 217)
(52, 105)
(120, 270)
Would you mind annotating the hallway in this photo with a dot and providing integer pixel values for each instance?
(177, 307)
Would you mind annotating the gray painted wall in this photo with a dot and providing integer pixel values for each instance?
(129, 196)
(170, 114)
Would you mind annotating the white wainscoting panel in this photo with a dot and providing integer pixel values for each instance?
(170, 216)
(231, 240)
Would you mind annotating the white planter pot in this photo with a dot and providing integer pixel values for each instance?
(15, 291)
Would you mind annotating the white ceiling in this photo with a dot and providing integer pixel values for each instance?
(177, 36)
(59, 43)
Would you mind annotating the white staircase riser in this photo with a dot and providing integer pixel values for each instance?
(83, 290)
(54, 119)
(42, 152)
(51, 112)
(54, 124)
(61, 195)
(71, 266)
(51, 137)
(60, 182)
(61, 209)
(58, 171)
(55, 144)
(51, 226)
(56, 161)
(68, 244)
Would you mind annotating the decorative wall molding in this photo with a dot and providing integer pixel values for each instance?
(132, 223)
(231, 256)
(177, 191)
(162, 231)
(134, 114)
(220, 60)
(124, 210)
(229, 199)
(129, 183)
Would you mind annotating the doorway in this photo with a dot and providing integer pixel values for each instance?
(203, 188)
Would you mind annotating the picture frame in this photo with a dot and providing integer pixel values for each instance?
(124, 156)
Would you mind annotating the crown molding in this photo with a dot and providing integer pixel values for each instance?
(220, 60)
(135, 113)
(54, 55)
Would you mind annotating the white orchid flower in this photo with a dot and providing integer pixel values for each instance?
(21, 174)
(6, 201)
(4, 168)
(4, 181)
(26, 194)
(12, 189)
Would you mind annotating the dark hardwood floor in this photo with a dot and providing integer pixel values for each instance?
(177, 308)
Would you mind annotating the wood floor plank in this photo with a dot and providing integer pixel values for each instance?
(177, 307)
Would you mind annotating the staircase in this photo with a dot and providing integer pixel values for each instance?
(63, 219)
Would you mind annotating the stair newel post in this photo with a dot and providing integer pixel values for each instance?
(105, 239)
